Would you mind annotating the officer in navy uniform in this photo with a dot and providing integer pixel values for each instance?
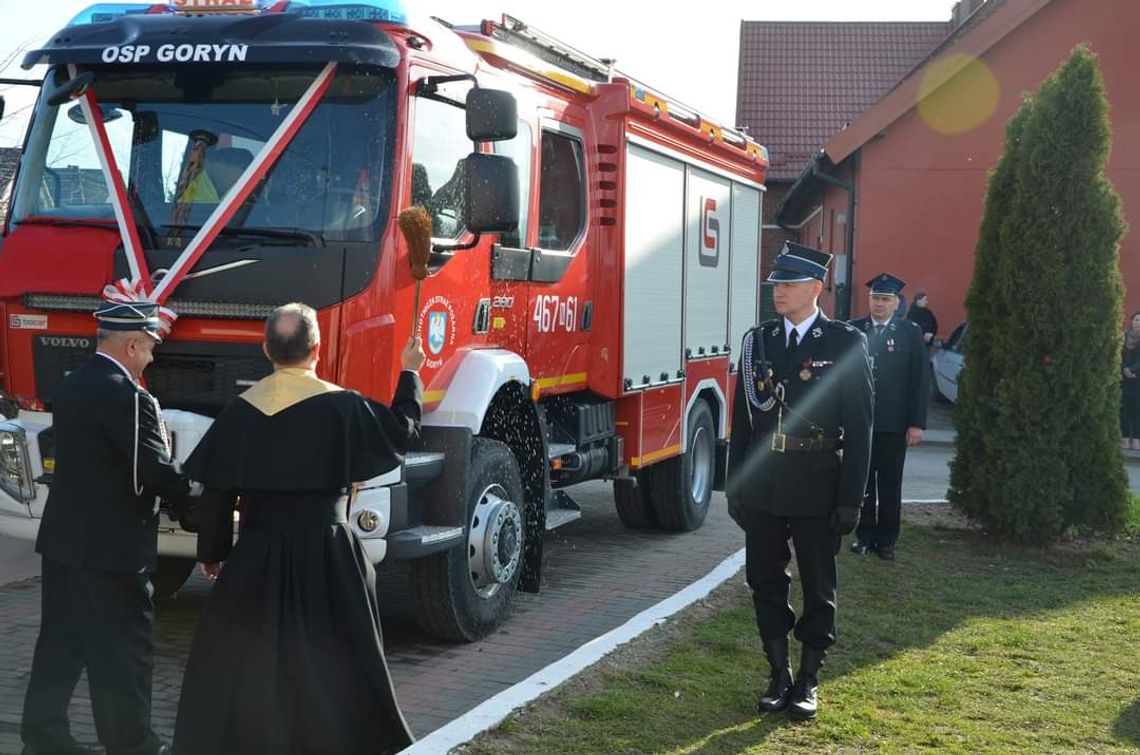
(98, 543)
(902, 385)
(801, 440)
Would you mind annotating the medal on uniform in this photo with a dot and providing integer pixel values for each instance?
(805, 371)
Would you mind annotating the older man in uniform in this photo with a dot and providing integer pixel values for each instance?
(98, 541)
(902, 385)
(801, 437)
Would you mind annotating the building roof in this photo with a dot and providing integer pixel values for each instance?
(986, 27)
(799, 83)
(9, 159)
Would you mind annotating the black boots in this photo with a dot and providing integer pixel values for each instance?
(803, 704)
(780, 683)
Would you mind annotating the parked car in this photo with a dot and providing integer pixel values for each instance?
(947, 362)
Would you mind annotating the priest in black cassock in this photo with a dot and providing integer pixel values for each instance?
(288, 656)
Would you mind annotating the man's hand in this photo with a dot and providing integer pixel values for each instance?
(413, 357)
(210, 571)
(913, 436)
(1129, 373)
(844, 520)
(736, 512)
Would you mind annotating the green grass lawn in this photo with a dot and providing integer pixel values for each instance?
(962, 644)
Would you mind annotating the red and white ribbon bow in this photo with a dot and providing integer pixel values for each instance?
(129, 292)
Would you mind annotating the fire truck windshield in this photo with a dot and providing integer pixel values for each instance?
(183, 136)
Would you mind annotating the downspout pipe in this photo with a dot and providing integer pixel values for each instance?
(849, 250)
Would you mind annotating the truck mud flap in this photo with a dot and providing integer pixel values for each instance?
(441, 501)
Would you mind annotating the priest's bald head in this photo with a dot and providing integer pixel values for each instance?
(292, 337)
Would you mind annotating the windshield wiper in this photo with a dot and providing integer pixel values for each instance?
(110, 225)
(282, 234)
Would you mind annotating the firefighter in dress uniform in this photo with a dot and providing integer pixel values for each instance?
(902, 385)
(801, 440)
(98, 541)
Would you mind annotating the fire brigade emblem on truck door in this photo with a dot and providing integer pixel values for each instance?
(437, 329)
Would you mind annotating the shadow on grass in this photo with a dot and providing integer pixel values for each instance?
(1127, 726)
(943, 580)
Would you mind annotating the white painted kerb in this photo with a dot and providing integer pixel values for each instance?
(492, 711)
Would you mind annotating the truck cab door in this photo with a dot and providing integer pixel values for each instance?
(558, 293)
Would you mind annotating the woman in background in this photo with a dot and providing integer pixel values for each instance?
(1130, 388)
(920, 314)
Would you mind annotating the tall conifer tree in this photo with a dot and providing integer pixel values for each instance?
(1038, 446)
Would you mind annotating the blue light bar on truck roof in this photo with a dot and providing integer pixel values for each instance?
(372, 11)
(273, 36)
(104, 12)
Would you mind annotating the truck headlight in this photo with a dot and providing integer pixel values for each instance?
(15, 464)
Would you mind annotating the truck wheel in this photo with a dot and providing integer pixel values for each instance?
(169, 576)
(464, 593)
(634, 509)
(681, 488)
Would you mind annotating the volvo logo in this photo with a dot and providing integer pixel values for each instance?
(66, 342)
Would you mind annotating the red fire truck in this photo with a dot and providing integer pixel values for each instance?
(595, 256)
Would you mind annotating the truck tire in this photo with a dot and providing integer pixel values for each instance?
(634, 509)
(681, 488)
(464, 593)
(169, 576)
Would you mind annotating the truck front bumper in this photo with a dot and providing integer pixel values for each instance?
(374, 506)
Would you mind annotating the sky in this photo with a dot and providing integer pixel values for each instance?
(691, 57)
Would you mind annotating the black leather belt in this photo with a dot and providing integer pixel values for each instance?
(786, 444)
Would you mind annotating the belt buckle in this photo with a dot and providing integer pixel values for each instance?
(779, 442)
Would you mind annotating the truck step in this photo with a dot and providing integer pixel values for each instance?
(554, 450)
(423, 540)
(421, 467)
(565, 510)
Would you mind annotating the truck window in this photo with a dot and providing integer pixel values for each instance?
(72, 180)
(439, 152)
(181, 142)
(561, 192)
(519, 150)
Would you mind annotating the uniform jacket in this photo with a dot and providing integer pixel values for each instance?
(827, 380)
(902, 375)
(108, 445)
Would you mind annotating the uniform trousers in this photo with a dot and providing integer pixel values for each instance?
(767, 556)
(102, 621)
(882, 502)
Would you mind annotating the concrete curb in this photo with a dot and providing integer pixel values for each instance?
(490, 712)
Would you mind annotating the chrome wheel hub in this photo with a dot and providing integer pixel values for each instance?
(494, 542)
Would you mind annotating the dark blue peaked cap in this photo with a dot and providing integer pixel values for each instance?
(127, 316)
(797, 263)
(885, 283)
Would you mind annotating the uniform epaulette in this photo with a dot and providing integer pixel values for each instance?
(841, 325)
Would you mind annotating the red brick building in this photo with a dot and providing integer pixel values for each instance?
(801, 82)
(914, 165)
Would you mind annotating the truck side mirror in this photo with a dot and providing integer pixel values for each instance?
(492, 115)
(491, 193)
